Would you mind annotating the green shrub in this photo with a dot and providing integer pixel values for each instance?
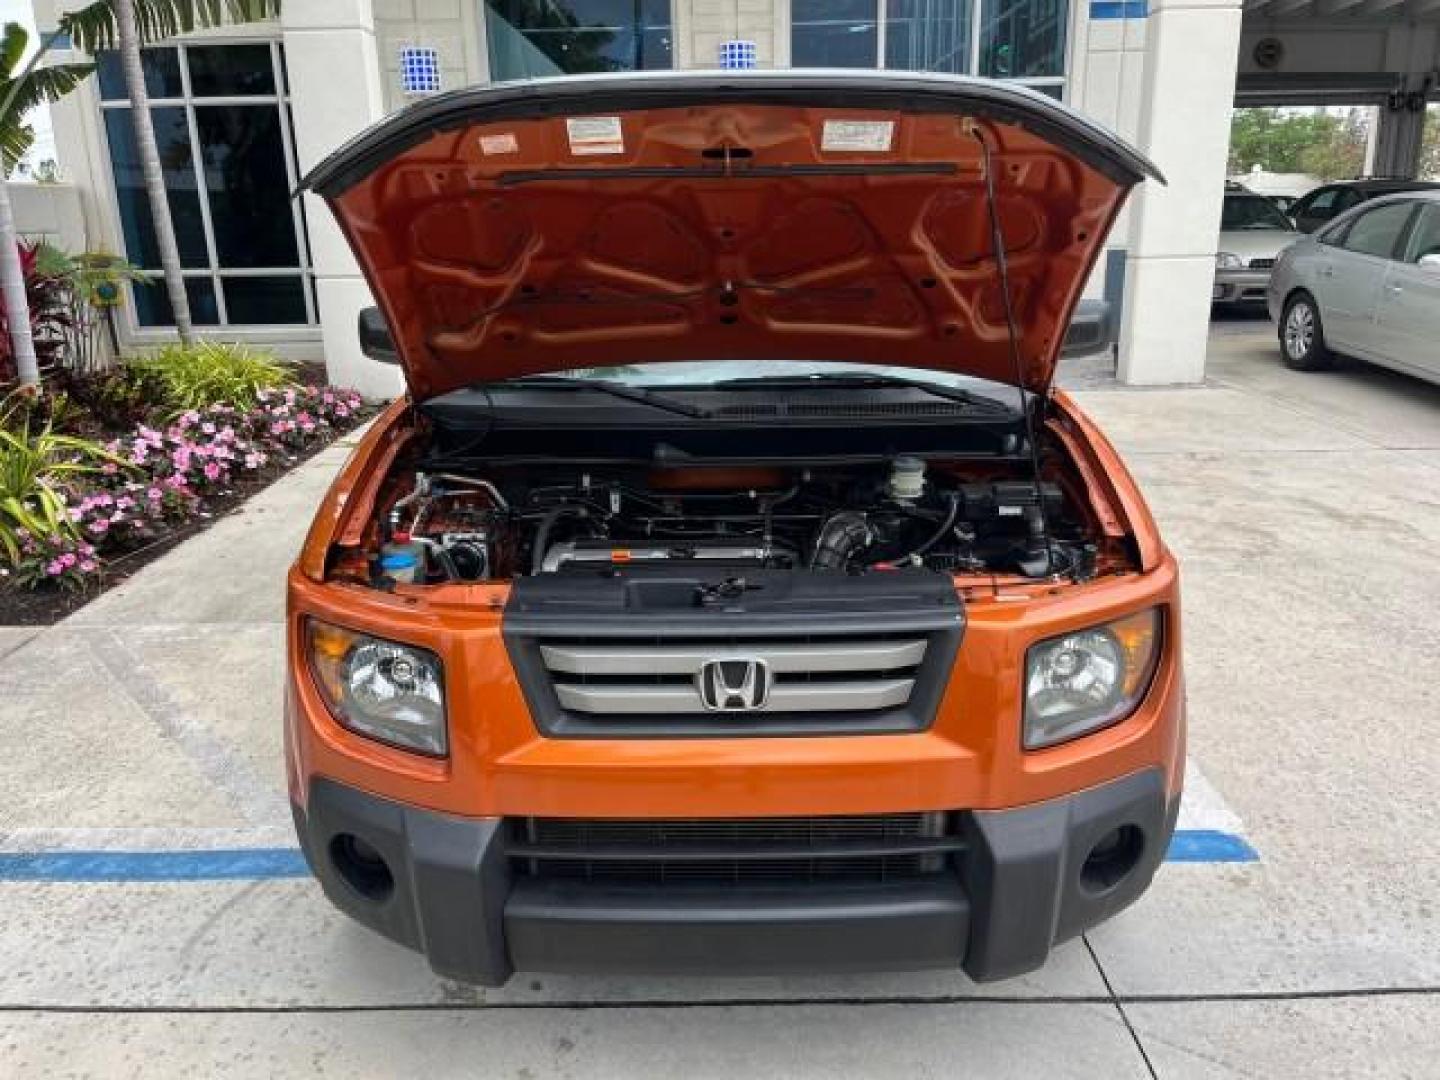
(34, 468)
(214, 373)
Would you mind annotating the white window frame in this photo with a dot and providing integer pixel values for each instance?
(212, 270)
(977, 20)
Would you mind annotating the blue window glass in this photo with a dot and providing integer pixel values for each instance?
(161, 68)
(243, 152)
(834, 33)
(264, 300)
(230, 70)
(152, 303)
(928, 35)
(569, 37)
(1023, 38)
(172, 135)
(233, 212)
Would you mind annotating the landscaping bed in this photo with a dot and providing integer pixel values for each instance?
(104, 473)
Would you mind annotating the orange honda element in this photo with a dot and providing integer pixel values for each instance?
(731, 591)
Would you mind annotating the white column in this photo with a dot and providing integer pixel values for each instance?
(1189, 88)
(335, 87)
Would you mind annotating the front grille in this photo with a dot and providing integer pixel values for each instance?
(1262, 264)
(873, 848)
(748, 677)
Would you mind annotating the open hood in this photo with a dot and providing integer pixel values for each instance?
(801, 215)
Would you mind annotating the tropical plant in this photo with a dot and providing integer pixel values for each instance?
(48, 295)
(97, 26)
(31, 87)
(36, 467)
(214, 373)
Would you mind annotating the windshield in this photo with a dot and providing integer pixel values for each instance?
(1252, 212)
(700, 374)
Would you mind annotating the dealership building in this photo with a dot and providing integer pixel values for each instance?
(241, 114)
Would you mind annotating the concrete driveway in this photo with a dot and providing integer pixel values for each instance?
(153, 922)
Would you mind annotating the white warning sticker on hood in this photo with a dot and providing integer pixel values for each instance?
(595, 135)
(865, 136)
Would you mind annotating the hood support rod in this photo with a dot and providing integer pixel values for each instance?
(1040, 526)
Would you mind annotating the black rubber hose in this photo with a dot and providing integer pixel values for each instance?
(935, 537)
(542, 534)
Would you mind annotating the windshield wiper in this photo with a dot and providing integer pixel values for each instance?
(864, 381)
(614, 389)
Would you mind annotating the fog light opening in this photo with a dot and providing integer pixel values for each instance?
(362, 867)
(1112, 858)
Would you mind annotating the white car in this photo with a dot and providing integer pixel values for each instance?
(1367, 285)
(1253, 231)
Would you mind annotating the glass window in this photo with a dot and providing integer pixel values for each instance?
(928, 35)
(152, 303)
(172, 136)
(244, 156)
(228, 169)
(1425, 237)
(230, 70)
(160, 66)
(559, 37)
(1023, 38)
(834, 33)
(262, 300)
(1251, 212)
(1376, 232)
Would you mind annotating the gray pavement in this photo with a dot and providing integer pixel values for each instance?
(1306, 511)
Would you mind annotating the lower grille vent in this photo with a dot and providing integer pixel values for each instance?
(749, 851)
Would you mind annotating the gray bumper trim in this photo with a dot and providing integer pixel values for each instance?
(1014, 892)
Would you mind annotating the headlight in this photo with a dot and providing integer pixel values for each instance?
(1089, 679)
(1225, 260)
(384, 690)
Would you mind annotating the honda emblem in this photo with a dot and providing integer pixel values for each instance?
(734, 685)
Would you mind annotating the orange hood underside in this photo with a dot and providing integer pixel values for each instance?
(730, 225)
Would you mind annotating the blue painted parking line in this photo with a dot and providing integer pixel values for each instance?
(1209, 846)
(246, 864)
(262, 864)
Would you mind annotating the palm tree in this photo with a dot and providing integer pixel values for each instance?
(19, 93)
(130, 24)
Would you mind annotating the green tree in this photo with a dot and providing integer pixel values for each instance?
(32, 87)
(102, 25)
(1278, 140)
(1430, 146)
(1341, 154)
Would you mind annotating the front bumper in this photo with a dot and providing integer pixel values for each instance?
(1022, 883)
(1244, 286)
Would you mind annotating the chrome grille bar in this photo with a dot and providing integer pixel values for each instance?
(623, 699)
(828, 657)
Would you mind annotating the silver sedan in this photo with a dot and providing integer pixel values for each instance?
(1367, 285)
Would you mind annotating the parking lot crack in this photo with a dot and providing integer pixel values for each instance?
(1120, 1008)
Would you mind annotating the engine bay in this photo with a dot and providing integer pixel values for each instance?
(515, 521)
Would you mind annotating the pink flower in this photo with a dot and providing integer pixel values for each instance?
(212, 471)
(89, 566)
(207, 428)
(67, 560)
(154, 494)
